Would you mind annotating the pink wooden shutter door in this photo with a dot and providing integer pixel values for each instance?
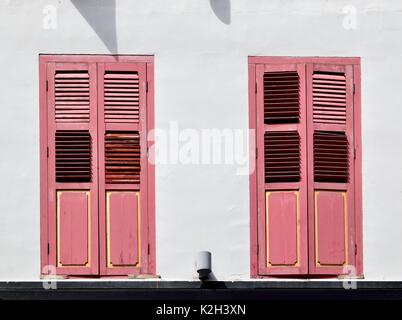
(122, 168)
(281, 169)
(72, 163)
(331, 168)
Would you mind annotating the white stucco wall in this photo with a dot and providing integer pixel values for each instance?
(201, 82)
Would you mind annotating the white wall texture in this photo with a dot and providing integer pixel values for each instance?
(201, 49)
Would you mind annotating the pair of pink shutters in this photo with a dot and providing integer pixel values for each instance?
(307, 227)
(96, 226)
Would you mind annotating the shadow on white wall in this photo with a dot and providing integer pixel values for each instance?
(101, 16)
(222, 9)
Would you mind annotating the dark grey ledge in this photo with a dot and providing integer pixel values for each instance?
(195, 290)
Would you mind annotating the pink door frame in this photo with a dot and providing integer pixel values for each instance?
(44, 61)
(255, 229)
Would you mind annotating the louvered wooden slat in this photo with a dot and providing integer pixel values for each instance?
(73, 156)
(282, 156)
(71, 96)
(121, 97)
(331, 157)
(281, 97)
(329, 98)
(122, 157)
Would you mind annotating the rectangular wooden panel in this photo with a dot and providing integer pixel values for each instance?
(330, 228)
(123, 234)
(283, 229)
(73, 232)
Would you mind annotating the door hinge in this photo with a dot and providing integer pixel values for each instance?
(47, 152)
(355, 249)
(256, 153)
(146, 86)
(354, 153)
(354, 88)
(47, 85)
(149, 249)
(48, 248)
(255, 87)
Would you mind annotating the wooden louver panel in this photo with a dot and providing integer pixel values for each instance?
(73, 156)
(122, 157)
(282, 156)
(121, 96)
(71, 96)
(329, 98)
(331, 157)
(281, 97)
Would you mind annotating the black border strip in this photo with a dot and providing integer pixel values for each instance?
(194, 290)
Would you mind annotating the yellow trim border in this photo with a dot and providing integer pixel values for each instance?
(88, 194)
(267, 194)
(345, 218)
(109, 262)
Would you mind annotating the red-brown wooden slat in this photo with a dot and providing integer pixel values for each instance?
(281, 97)
(73, 156)
(71, 96)
(282, 156)
(329, 97)
(122, 157)
(331, 158)
(121, 97)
